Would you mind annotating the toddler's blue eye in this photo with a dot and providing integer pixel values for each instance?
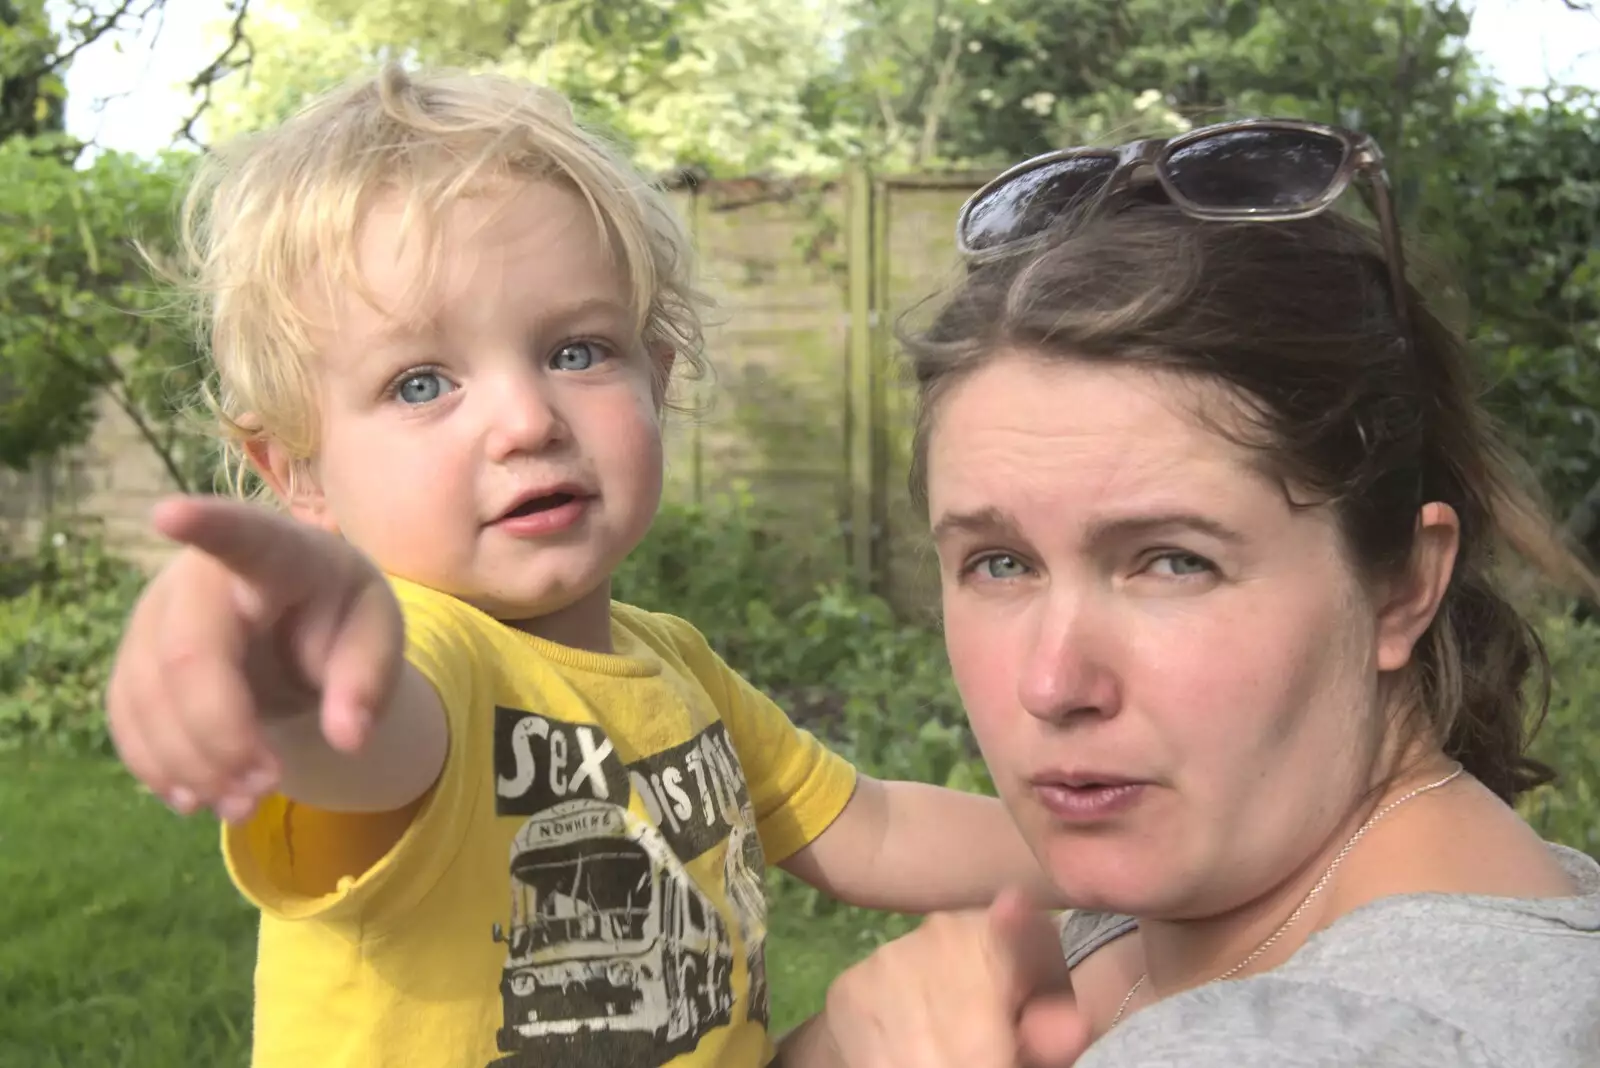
(577, 356)
(422, 387)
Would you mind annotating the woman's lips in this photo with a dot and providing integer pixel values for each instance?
(1087, 799)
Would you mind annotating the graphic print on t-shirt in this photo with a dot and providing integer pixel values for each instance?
(743, 873)
(615, 956)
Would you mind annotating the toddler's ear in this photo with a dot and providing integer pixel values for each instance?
(291, 480)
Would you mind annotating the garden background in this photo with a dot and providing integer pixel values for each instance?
(818, 151)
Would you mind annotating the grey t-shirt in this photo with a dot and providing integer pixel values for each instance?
(1412, 981)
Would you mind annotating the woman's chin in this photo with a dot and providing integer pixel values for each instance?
(1112, 874)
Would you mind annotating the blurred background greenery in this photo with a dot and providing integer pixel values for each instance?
(819, 149)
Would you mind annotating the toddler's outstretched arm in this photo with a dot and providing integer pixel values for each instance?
(268, 656)
(912, 847)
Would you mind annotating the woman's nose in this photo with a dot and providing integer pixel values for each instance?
(1066, 671)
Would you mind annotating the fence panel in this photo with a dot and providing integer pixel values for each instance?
(774, 419)
(917, 261)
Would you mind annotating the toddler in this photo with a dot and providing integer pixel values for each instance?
(489, 815)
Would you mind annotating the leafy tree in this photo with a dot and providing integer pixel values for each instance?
(80, 316)
(1518, 211)
(31, 91)
(997, 80)
(711, 84)
(79, 313)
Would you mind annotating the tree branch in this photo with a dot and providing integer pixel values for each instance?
(93, 30)
(939, 99)
(115, 384)
(891, 121)
(162, 449)
(1404, 79)
(225, 63)
(929, 73)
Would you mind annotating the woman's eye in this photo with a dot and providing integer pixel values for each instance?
(1181, 565)
(1001, 566)
(422, 387)
(576, 356)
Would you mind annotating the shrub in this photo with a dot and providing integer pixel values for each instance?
(61, 613)
(1568, 810)
(779, 610)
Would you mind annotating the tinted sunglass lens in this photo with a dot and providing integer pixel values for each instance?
(1028, 203)
(1239, 170)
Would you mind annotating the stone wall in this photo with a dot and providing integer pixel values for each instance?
(113, 481)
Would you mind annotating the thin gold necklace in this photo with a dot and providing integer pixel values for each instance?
(1327, 876)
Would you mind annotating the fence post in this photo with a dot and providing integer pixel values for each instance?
(882, 367)
(859, 435)
(702, 392)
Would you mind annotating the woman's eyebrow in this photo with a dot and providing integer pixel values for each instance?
(990, 521)
(1133, 526)
(999, 523)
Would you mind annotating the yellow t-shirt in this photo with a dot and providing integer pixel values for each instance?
(584, 885)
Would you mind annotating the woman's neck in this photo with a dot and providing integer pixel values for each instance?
(1268, 930)
(1180, 954)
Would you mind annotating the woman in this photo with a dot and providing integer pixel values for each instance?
(1218, 521)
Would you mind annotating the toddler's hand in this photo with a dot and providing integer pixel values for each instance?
(259, 619)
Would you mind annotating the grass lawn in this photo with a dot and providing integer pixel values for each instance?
(122, 945)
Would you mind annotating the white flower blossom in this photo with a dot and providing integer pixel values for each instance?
(1039, 103)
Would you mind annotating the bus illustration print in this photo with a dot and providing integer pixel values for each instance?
(614, 955)
(743, 874)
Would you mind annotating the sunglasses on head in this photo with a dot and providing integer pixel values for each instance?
(1253, 170)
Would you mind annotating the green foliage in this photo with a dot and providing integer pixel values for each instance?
(32, 93)
(45, 400)
(996, 80)
(717, 84)
(61, 615)
(734, 86)
(837, 658)
(80, 315)
(1514, 205)
(1568, 810)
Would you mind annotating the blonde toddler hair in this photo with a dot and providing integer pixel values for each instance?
(274, 213)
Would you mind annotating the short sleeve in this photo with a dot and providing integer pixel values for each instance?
(294, 861)
(798, 786)
(1268, 1022)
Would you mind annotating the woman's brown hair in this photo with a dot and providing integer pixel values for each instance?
(1297, 319)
